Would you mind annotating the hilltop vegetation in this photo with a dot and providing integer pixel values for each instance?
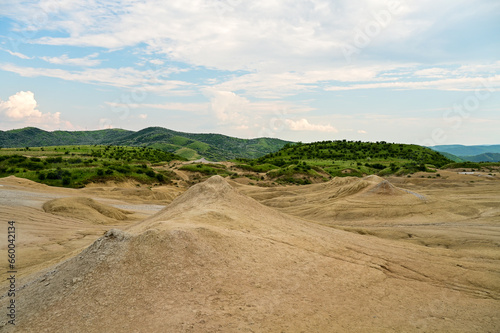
(356, 151)
(215, 147)
(76, 166)
(300, 163)
(35, 137)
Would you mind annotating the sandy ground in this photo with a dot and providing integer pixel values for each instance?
(46, 238)
(351, 255)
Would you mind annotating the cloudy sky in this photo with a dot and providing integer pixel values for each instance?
(415, 71)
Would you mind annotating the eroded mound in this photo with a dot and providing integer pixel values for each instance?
(344, 187)
(386, 188)
(347, 187)
(85, 209)
(215, 188)
(217, 203)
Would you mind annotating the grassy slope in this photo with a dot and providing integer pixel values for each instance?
(452, 157)
(75, 166)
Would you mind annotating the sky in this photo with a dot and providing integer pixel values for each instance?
(416, 71)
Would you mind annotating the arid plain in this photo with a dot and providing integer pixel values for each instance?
(351, 255)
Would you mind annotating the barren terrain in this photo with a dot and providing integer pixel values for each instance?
(351, 255)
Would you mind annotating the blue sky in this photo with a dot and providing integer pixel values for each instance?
(424, 72)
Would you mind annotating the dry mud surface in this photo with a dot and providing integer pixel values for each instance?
(350, 255)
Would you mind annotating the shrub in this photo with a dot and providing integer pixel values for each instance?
(54, 160)
(52, 175)
(74, 160)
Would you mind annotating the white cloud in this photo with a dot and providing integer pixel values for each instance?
(105, 123)
(304, 125)
(125, 77)
(362, 132)
(450, 84)
(231, 108)
(279, 85)
(21, 105)
(23, 108)
(143, 116)
(17, 54)
(228, 107)
(157, 62)
(197, 108)
(87, 61)
(286, 47)
(239, 35)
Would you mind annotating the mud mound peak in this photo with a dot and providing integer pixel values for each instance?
(368, 186)
(213, 195)
(85, 209)
(346, 186)
(216, 183)
(212, 189)
(386, 188)
(340, 181)
(374, 179)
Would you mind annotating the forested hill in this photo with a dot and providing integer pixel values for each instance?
(188, 145)
(35, 137)
(356, 151)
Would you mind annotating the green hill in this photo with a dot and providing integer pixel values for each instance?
(34, 137)
(215, 147)
(356, 151)
(300, 163)
(452, 157)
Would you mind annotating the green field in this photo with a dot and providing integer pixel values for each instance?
(207, 169)
(76, 166)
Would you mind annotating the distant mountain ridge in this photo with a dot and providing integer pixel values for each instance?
(486, 157)
(461, 150)
(478, 153)
(189, 145)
